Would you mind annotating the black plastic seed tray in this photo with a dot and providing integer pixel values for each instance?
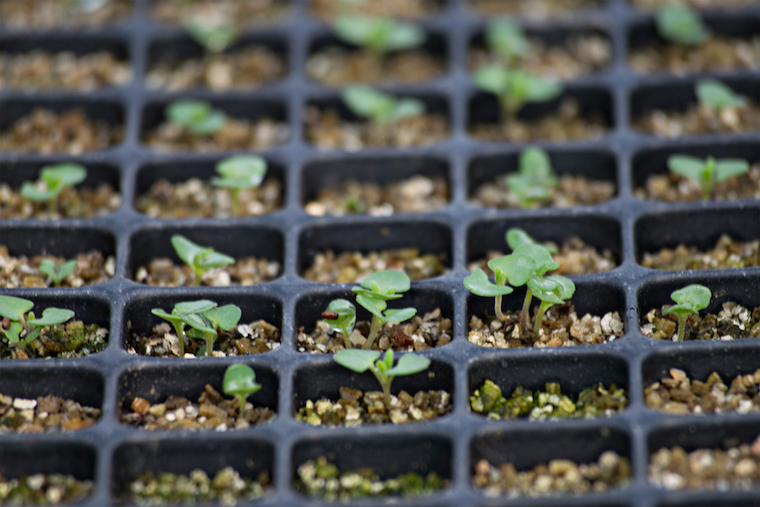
(111, 454)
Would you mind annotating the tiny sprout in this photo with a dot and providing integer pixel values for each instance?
(239, 173)
(552, 290)
(341, 317)
(383, 369)
(240, 381)
(381, 108)
(24, 326)
(215, 38)
(373, 293)
(200, 259)
(681, 24)
(378, 35)
(179, 314)
(535, 178)
(206, 325)
(515, 88)
(690, 299)
(707, 172)
(196, 116)
(713, 94)
(57, 273)
(53, 180)
(517, 237)
(507, 38)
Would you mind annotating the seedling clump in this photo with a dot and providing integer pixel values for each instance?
(22, 325)
(57, 273)
(200, 259)
(681, 24)
(196, 117)
(515, 88)
(240, 173)
(707, 172)
(535, 178)
(240, 381)
(179, 314)
(381, 108)
(378, 36)
(712, 94)
(205, 319)
(53, 180)
(690, 300)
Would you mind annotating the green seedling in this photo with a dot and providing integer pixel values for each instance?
(479, 284)
(87, 5)
(240, 382)
(535, 178)
(552, 290)
(378, 35)
(713, 94)
(373, 293)
(180, 313)
(206, 325)
(690, 299)
(507, 39)
(24, 327)
(381, 108)
(515, 88)
(383, 369)
(53, 180)
(707, 172)
(536, 262)
(200, 259)
(517, 237)
(340, 315)
(196, 116)
(57, 273)
(681, 24)
(240, 173)
(214, 38)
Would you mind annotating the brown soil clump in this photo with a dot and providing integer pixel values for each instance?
(355, 408)
(212, 412)
(237, 134)
(699, 120)
(726, 254)
(24, 14)
(734, 467)
(533, 8)
(17, 272)
(44, 414)
(406, 9)
(242, 13)
(196, 198)
(72, 339)
(417, 194)
(247, 68)
(574, 257)
(573, 190)
(328, 131)
(560, 327)
(674, 188)
(732, 323)
(418, 333)
(72, 202)
(717, 54)
(43, 131)
(353, 267)
(563, 476)
(163, 272)
(41, 70)
(696, 4)
(337, 66)
(254, 338)
(681, 395)
(566, 124)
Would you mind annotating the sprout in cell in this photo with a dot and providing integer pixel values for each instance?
(373, 293)
(535, 178)
(180, 313)
(515, 88)
(215, 38)
(200, 259)
(340, 315)
(551, 290)
(240, 381)
(57, 273)
(196, 116)
(378, 35)
(712, 94)
(690, 299)
(707, 172)
(383, 369)
(206, 325)
(681, 24)
(53, 180)
(381, 108)
(240, 173)
(507, 39)
(23, 325)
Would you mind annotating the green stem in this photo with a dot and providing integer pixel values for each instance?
(241, 403)
(51, 206)
(525, 314)
(198, 276)
(347, 342)
(681, 327)
(540, 315)
(497, 308)
(209, 343)
(180, 329)
(235, 193)
(385, 383)
(374, 328)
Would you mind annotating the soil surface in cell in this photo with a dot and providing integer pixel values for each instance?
(534, 9)
(44, 131)
(338, 66)
(413, 195)
(421, 332)
(51, 13)
(72, 202)
(572, 190)
(326, 130)
(246, 271)
(574, 257)
(44, 489)
(72, 339)
(699, 120)
(353, 267)
(566, 124)
(240, 13)
(579, 54)
(674, 188)
(409, 9)
(44, 414)
(254, 338)
(733, 322)
(211, 412)
(718, 54)
(697, 4)
(549, 403)
(560, 327)
(237, 134)
(726, 253)
(733, 467)
(356, 408)
(66, 70)
(322, 479)
(564, 476)
(24, 272)
(245, 68)
(678, 394)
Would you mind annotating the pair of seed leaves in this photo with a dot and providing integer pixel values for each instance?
(534, 179)
(196, 116)
(201, 315)
(382, 108)
(55, 178)
(15, 309)
(707, 172)
(378, 34)
(199, 258)
(689, 299)
(362, 360)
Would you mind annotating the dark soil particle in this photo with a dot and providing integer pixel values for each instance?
(732, 322)
(408, 9)
(55, 13)
(323, 480)
(246, 271)
(726, 254)
(532, 8)
(44, 131)
(42, 70)
(72, 339)
(254, 338)
(674, 188)
(699, 120)
(212, 412)
(355, 408)
(237, 134)
(337, 67)
(353, 267)
(717, 54)
(573, 190)
(419, 333)
(44, 489)
(243, 14)
(44, 415)
(681, 395)
(72, 202)
(548, 404)
(91, 268)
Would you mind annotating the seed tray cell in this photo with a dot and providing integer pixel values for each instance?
(112, 454)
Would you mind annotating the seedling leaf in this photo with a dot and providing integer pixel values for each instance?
(409, 364)
(540, 255)
(355, 359)
(507, 38)
(186, 112)
(479, 284)
(214, 38)
(240, 379)
(681, 24)
(378, 34)
(729, 168)
(373, 305)
(55, 272)
(517, 237)
(14, 308)
(52, 316)
(714, 94)
(225, 317)
(687, 166)
(387, 282)
(346, 318)
(242, 171)
(188, 307)
(517, 268)
(399, 315)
